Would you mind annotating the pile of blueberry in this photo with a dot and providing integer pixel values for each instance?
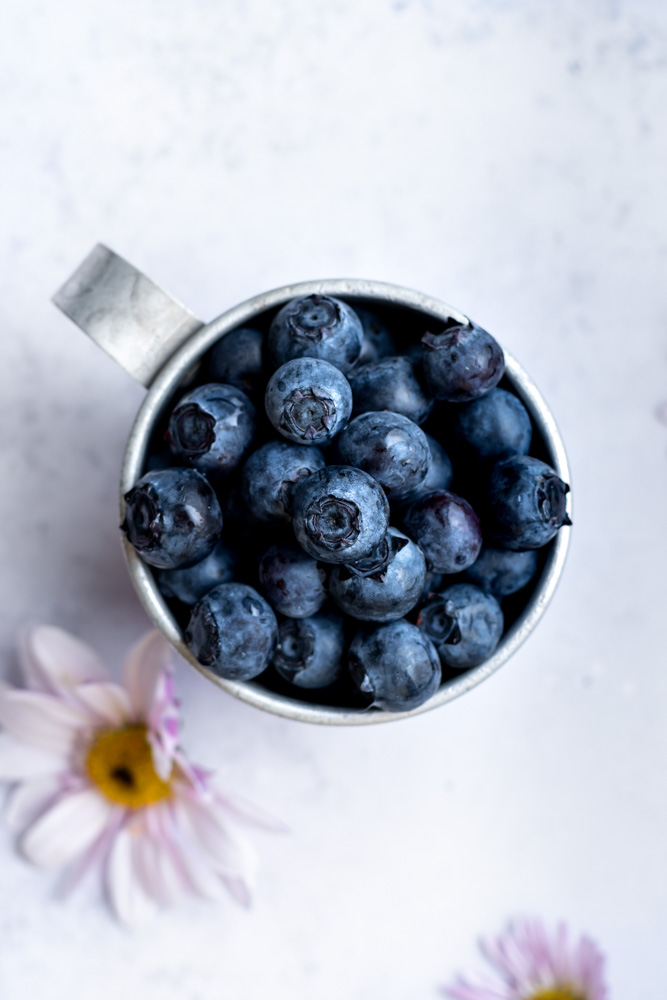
(298, 507)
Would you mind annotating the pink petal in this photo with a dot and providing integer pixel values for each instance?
(239, 890)
(146, 662)
(31, 799)
(94, 855)
(19, 760)
(42, 720)
(54, 661)
(67, 829)
(110, 702)
(127, 896)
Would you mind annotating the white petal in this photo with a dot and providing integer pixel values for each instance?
(32, 798)
(67, 829)
(193, 862)
(19, 760)
(126, 894)
(229, 853)
(53, 660)
(239, 889)
(42, 720)
(107, 700)
(155, 866)
(143, 669)
(248, 812)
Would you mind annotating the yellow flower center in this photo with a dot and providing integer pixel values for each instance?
(559, 993)
(120, 763)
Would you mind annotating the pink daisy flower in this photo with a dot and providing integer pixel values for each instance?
(531, 964)
(101, 779)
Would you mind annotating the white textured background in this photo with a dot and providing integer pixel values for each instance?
(508, 156)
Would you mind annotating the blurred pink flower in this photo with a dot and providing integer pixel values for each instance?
(101, 779)
(531, 964)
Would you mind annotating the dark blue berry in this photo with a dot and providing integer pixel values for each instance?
(390, 384)
(309, 651)
(292, 582)
(270, 475)
(502, 571)
(463, 623)
(493, 427)
(212, 428)
(378, 341)
(172, 518)
(308, 401)
(439, 475)
(383, 586)
(316, 326)
(396, 666)
(237, 360)
(461, 363)
(233, 632)
(390, 448)
(189, 585)
(446, 529)
(339, 514)
(526, 503)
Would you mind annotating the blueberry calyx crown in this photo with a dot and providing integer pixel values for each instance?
(333, 522)
(447, 337)
(295, 646)
(143, 520)
(191, 429)
(551, 500)
(440, 623)
(375, 565)
(314, 316)
(308, 413)
(202, 633)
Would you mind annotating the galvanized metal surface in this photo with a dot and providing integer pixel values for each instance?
(127, 314)
(167, 380)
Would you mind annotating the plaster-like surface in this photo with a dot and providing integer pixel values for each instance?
(508, 157)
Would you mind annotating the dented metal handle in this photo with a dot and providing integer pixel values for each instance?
(125, 313)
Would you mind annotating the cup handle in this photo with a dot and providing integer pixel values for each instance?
(125, 313)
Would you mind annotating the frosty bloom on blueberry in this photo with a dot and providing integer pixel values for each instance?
(212, 428)
(339, 514)
(390, 448)
(316, 326)
(308, 401)
(462, 363)
(172, 518)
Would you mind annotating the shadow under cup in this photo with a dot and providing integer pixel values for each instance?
(410, 314)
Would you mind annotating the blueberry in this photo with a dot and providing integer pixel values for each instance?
(493, 427)
(390, 384)
(526, 503)
(446, 529)
(292, 582)
(189, 585)
(383, 586)
(462, 362)
(233, 632)
(316, 326)
(308, 401)
(440, 473)
(339, 514)
(172, 518)
(502, 571)
(270, 474)
(395, 665)
(237, 360)
(463, 623)
(309, 650)
(212, 428)
(378, 342)
(390, 448)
